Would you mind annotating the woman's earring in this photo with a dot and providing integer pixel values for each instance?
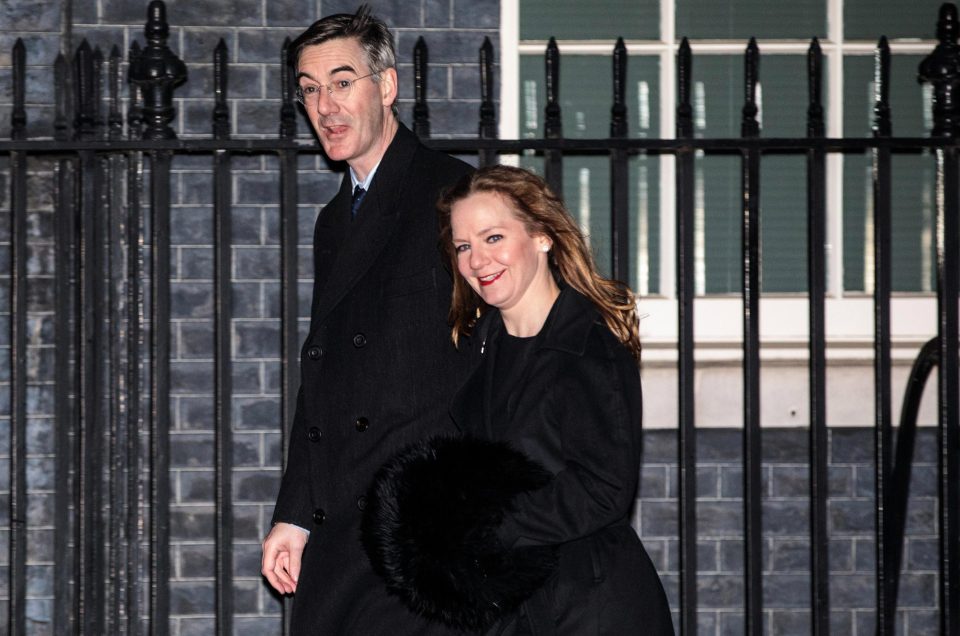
(545, 248)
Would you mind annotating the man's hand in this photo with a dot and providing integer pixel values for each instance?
(282, 551)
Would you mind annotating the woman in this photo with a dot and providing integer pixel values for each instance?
(557, 379)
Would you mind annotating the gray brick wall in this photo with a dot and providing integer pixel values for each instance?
(786, 519)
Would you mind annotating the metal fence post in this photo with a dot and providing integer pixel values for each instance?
(942, 69)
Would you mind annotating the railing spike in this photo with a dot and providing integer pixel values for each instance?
(815, 124)
(553, 124)
(488, 112)
(18, 118)
(61, 122)
(618, 112)
(97, 106)
(942, 69)
(157, 70)
(114, 119)
(881, 79)
(221, 112)
(749, 126)
(83, 99)
(421, 111)
(684, 75)
(288, 113)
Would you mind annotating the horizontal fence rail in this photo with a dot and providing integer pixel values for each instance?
(112, 314)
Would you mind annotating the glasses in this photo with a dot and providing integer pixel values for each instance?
(338, 90)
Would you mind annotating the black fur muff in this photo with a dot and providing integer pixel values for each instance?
(430, 530)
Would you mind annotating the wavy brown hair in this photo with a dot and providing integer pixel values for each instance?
(571, 262)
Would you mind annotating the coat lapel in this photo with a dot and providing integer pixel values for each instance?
(332, 227)
(365, 237)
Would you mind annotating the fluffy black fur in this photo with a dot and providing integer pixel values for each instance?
(430, 526)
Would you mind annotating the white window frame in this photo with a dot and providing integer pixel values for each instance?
(718, 318)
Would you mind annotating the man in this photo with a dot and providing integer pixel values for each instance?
(378, 367)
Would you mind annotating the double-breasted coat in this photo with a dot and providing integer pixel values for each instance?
(378, 370)
(576, 409)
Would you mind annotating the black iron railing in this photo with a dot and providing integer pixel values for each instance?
(112, 315)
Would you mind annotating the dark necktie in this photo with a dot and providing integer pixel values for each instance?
(358, 194)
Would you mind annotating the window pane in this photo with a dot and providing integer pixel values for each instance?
(598, 20)
(586, 98)
(743, 19)
(718, 103)
(869, 19)
(913, 176)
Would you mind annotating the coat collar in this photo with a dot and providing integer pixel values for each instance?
(566, 329)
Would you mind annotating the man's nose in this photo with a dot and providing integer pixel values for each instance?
(325, 102)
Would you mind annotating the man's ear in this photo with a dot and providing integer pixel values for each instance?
(388, 86)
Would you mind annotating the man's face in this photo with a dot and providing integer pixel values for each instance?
(357, 127)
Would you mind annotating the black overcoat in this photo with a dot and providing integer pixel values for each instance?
(576, 409)
(378, 370)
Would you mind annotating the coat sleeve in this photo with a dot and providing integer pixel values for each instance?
(595, 412)
(293, 501)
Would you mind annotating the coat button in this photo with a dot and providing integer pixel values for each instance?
(362, 424)
(319, 516)
(361, 503)
(359, 340)
(314, 352)
(313, 434)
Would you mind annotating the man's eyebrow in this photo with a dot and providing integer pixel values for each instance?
(340, 69)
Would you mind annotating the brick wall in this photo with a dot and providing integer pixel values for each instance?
(786, 523)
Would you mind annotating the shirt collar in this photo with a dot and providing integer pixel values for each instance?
(365, 184)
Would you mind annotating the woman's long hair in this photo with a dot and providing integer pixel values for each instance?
(571, 262)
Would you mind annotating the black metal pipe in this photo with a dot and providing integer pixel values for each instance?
(940, 69)
(223, 433)
(619, 171)
(64, 616)
(883, 411)
(18, 396)
(597, 146)
(948, 294)
(93, 537)
(136, 351)
(17, 576)
(289, 296)
(816, 281)
(948, 404)
(686, 389)
(160, 393)
(117, 335)
(752, 505)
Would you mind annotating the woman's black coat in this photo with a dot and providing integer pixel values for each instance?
(577, 411)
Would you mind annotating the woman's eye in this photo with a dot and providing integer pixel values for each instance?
(493, 238)
(460, 249)
(309, 90)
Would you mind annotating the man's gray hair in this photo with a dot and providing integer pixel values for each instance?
(371, 32)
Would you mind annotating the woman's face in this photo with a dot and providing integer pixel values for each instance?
(504, 264)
